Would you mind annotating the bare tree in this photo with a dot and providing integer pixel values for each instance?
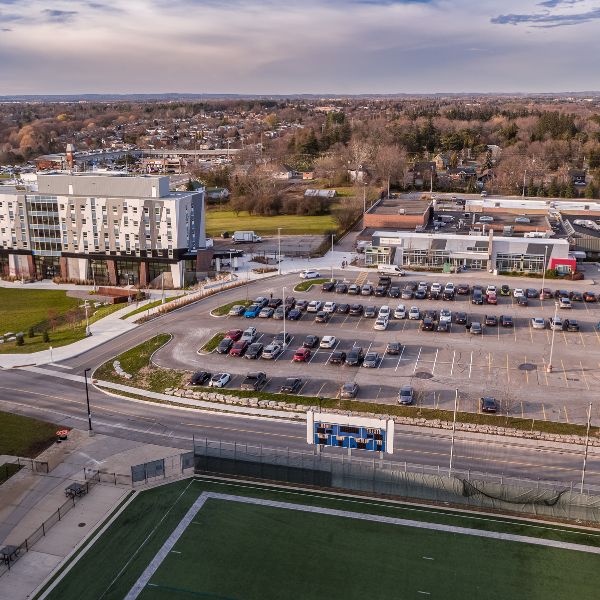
(389, 163)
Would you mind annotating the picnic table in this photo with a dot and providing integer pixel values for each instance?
(9, 553)
(76, 489)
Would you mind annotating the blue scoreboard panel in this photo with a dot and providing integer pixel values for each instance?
(349, 436)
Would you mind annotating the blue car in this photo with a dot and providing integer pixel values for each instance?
(252, 311)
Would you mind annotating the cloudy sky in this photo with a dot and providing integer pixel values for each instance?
(312, 46)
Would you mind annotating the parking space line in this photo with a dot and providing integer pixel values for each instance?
(434, 360)
(507, 369)
(582, 340)
(453, 359)
(417, 361)
(526, 371)
(564, 372)
(471, 365)
(321, 389)
(400, 358)
(584, 377)
(313, 355)
(489, 362)
(545, 370)
(544, 411)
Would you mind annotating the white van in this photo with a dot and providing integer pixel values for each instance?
(390, 270)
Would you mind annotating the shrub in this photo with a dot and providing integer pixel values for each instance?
(20, 339)
(30, 333)
(45, 337)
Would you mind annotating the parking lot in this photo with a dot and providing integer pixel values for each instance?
(507, 363)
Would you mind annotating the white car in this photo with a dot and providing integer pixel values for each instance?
(449, 288)
(555, 324)
(422, 286)
(486, 219)
(381, 323)
(564, 303)
(491, 289)
(414, 313)
(400, 312)
(436, 288)
(314, 306)
(272, 351)
(384, 311)
(309, 274)
(517, 292)
(445, 316)
(249, 335)
(219, 380)
(329, 307)
(538, 323)
(328, 341)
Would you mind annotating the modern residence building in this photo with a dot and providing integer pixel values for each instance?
(112, 228)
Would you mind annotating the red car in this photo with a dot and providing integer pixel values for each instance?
(302, 355)
(546, 294)
(491, 299)
(234, 334)
(589, 297)
(239, 348)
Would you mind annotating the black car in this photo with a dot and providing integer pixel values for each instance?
(294, 314)
(385, 280)
(301, 305)
(356, 310)
(491, 320)
(434, 295)
(570, 325)
(328, 286)
(394, 292)
(561, 294)
(380, 290)
(254, 381)
(477, 297)
(488, 404)
(506, 321)
(462, 289)
(338, 357)
(443, 326)
(355, 356)
(225, 346)
(370, 312)
(522, 301)
(291, 385)
(310, 341)
(427, 324)
(200, 378)
(460, 318)
(341, 288)
(420, 295)
(275, 302)
(448, 295)
(576, 297)
(505, 290)
(431, 314)
(282, 338)
(254, 351)
(322, 317)
(342, 309)
(532, 293)
(393, 348)
(406, 294)
(289, 302)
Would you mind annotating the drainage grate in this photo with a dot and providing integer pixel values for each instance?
(423, 375)
(527, 367)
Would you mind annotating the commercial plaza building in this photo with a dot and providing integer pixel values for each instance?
(451, 251)
(112, 228)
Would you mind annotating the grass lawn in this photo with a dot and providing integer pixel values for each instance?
(24, 436)
(148, 306)
(213, 342)
(256, 552)
(221, 311)
(218, 221)
(305, 285)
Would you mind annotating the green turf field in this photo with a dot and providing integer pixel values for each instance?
(234, 550)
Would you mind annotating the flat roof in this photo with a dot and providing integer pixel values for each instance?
(395, 206)
(455, 236)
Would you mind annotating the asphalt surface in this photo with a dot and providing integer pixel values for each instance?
(64, 401)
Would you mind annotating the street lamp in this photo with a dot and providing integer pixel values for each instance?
(279, 250)
(87, 320)
(549, 366)
(364, 198)
(544, 267)
(284, 338)
(87, 398)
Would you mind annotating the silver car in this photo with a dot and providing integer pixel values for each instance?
(406, 395)
(371, 360)
(349, 390)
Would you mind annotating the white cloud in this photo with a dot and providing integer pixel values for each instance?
(263, 46)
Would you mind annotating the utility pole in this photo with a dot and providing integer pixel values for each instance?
(524, 176)
(364, 198)
(544, 269)
(453, 432)
(549, 366)
(279, 250)
(332, 236)
(87, 320)
(284, 338)
(87, 398)
(587, 441)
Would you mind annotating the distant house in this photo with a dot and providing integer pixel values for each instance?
(462, 173)
(285, 172)
(421, 173)
(320, 194)
(359, 175)
(217, 195)
(442, 161)
(577, 176)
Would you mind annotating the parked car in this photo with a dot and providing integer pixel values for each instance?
(353, 289)
(272, 351)
(571, 325)
(355, 356)
(380, 290)
(237, 310)
(546, 294)
(356, 310)
(427, 324)
(328, 341)
(400, 312)
(506, 321)
(252, 311)
(302, 304)
(369, 312)
(302, 354)
(538, 323)
(314, 306)
(394, 292)
(414, 314)
(295, 314)
(239, 348)
(254, 351)
(282, 338)
(275, 303)
(261, 301)
(445, 315)
(219, 380)
(289, 302)
(280, 313)
(234, 334)
(254, 381)
(488, 404)
(224, 346)
(590, 297)
(338, 357)
(460, 318)
(561, 294)
(385, 311)
(443, 326)
(463, 289)
(477, 297)
(491, 298)
(322, 317)
(420, 294)
(311, 341)
(491, 289)
(522, 301)
(564, 303)
(555, 324)
(407, 293)
(341, 288)
(491, 320)
(576, 297)
(371, 360)
(393, 348)
(406, 395)
(329, 307)
(381, 324)
(249, 334)
(266, 312)
(505, 290)
(342, 309)
(291, 385)
(200, 378)
(366, 289)
(532, 293)
(518, 292)
(476, 328)
(349, 390)
(309, 274)
(328, 286)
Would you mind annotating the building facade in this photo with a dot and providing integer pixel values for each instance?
(112, 229)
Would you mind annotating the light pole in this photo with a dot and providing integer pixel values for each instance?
(93, 273)
(544, 267)
(284, 338)
(87, 320)
(279, 250)
(549, 367)
(524, 176)
(364, 198)
(332, 236)
(587, 440)
(87, 398)
(453, 432)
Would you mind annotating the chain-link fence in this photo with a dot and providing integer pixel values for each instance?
(378, 476)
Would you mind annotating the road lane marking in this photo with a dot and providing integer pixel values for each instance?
(417, 361)
(400, 357)
(453, 359)
(471, 365)
(507, 369)
(434, 360)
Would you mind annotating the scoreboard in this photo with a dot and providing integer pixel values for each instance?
(343, 431)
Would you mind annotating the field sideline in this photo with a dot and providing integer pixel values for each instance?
(219, 539)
